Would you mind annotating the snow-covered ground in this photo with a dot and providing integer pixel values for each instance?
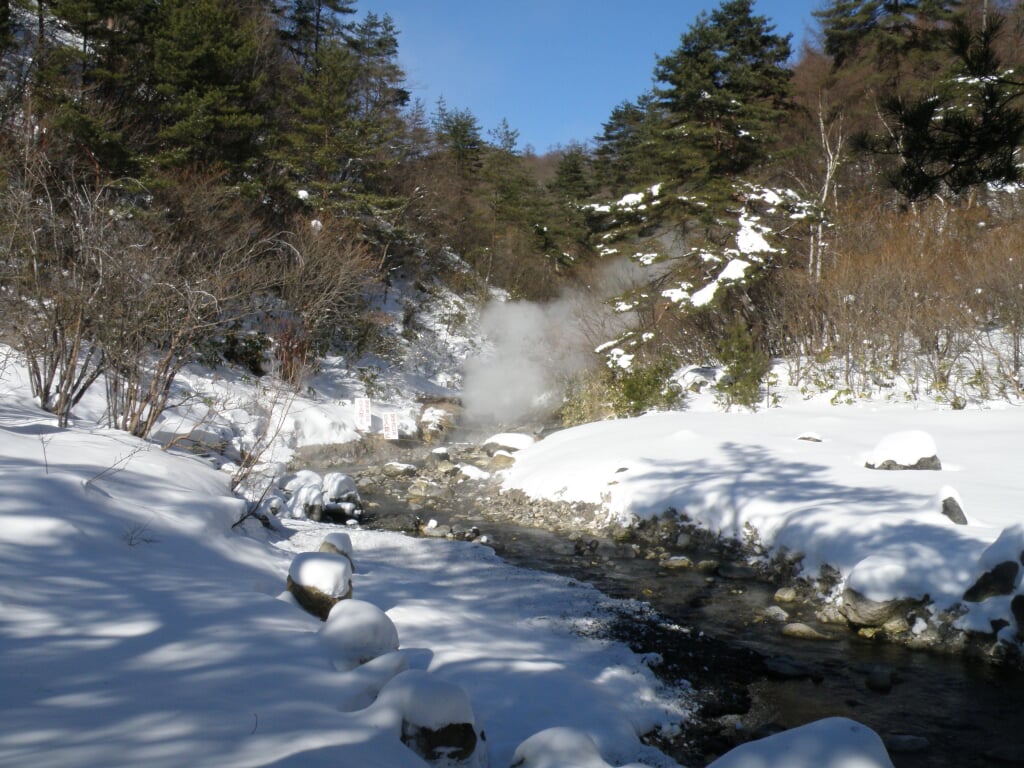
(138, 627)
(796, 478)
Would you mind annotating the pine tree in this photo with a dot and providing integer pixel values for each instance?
(724, 91)
(963, 134)
(629, 152)
(210, 78)
(572, 183)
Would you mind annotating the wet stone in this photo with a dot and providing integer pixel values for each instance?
(802, 631)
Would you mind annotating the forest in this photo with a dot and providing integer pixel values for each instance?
(242, 180)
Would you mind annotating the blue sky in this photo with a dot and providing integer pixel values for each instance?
(554, 69)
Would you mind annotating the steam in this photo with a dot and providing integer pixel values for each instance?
(535, 349)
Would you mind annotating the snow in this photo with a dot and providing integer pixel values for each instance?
(138, 627)
(741, 471)
(834, 742)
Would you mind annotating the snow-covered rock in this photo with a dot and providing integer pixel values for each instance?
(834, 742)
(559, 748)
(339, 487)
(356, 632)
(307, 502)
(911, 449)
(319, 580)
(437, 716)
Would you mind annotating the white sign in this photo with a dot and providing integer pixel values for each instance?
(364, 416)
(390, 426)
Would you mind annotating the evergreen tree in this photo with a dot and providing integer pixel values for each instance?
(101, 100)
(210, 78)
(572, 182)
(457, 133)
(965, 133)
(311, 23)
(724, 91)
(897, 36)
(629, 152)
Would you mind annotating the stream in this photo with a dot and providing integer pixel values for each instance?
(720, 630)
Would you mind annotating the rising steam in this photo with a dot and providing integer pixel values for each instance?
(536, 348)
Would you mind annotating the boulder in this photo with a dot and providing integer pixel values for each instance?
(861, 611)
(319, 580)
(802, 631)
(307, 502)
(437, 420)
(1000, 580)
(912, 449)
(507, 441)
(436, 715)
(951, 508)
(356, 632)
(339, 543)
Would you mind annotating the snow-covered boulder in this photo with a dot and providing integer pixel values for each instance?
(307, 502)
(559, 748)
(835, 742)
(356, 632)
(999, 566)
(291, 483)
(339, 543)
(319, 580)
(508, 441)
(339, 487)
(912, 449)
(437, 717)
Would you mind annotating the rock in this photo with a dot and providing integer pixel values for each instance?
(319, 580)
(356, 632)
(683, 540)
(421, 488)
(437, 420)
(803, 631)
(339, 488)
(437, 717)
(456, 741)
(774, 613)
(912, 449)
(927, 463)
(861, 611)
(785, 595)
(339, 543)
(508, 441)
(499, 461)
(398, 469)
(1001, 580)
(435, 531)
(951, 508)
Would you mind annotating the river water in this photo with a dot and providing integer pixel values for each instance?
(932, 710)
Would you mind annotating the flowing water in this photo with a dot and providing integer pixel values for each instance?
(932, 710)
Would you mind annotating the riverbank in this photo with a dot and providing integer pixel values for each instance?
(758, 656)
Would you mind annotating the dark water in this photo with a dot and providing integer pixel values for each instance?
(969, 713)
(751, 680)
